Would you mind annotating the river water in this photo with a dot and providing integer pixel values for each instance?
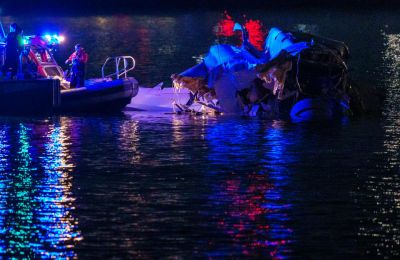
(145, 185)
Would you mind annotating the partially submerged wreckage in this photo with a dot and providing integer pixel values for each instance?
(297, 75)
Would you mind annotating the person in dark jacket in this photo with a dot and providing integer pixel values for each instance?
(78, 59)
(14, 46)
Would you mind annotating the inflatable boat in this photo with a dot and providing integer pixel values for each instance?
(42, 86)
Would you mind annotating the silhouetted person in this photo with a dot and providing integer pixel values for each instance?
(14, 46)
(78, 59)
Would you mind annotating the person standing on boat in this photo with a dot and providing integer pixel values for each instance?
(78, 60)
(14, 46)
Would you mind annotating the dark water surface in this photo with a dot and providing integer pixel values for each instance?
(143, 185)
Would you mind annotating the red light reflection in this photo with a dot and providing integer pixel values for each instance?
(245, 218)
(255, 28)
(257, 33)
(225, 26)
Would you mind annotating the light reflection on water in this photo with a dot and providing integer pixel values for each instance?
(391, 56)
(255, 216)
(59, 226)
(19, 223)
(130, 141)
(36, 219)
(382, 185)
(149, 185)
(4, 161)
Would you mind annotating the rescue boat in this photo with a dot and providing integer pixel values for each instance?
(42, 86)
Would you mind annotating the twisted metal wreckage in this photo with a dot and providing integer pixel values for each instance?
(297, 75)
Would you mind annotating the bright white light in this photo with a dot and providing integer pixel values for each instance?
(61, 38)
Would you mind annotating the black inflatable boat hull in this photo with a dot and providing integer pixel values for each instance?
(46, 97)
(99, 97)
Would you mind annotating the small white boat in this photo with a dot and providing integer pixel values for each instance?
(161, 99)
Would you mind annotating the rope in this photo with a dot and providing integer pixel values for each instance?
(297, 73)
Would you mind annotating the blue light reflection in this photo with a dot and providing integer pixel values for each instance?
(36, 203)
(4, 162)
(19, 219)
(57, 224)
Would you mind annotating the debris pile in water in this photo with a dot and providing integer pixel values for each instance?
(296, 75)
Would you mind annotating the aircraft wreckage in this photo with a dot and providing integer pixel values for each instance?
(298, 76)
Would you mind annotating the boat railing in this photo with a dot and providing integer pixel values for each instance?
(123, 64)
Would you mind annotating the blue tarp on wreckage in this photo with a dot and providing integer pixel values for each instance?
(224, 58)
